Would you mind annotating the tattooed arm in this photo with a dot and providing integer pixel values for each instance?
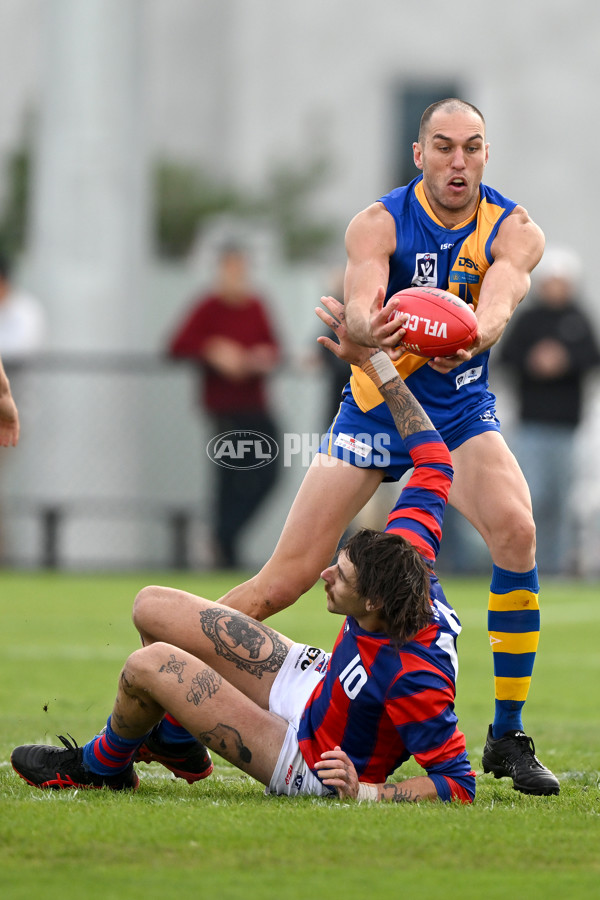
(336, 769)
(408, 414)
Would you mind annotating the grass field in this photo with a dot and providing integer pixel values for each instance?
(63, 639)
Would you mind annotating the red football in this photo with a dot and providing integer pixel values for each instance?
(439, 324)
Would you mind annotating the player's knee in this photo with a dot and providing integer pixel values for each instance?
(132, 672)
(522, 530)
(144, 606)
(141, 663)
(513, 540)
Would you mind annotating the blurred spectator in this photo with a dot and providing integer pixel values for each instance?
(551, 348)
(22, 330)
(22, 324)
(228, 334)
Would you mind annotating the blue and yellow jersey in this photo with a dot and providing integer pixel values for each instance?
(454, 259)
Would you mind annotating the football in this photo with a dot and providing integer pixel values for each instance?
(439, 323)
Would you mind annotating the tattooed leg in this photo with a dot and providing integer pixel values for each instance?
(232, 643)
(251, 646)
(134, 712)
(161, 677)
(227, 742)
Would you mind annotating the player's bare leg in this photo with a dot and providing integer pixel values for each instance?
(491, 492)
(332, 494)
(245, 652)
(210, 708)
(155, 679)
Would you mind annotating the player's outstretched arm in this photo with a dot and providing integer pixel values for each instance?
(370, 241)
(9, 416)
(337, 770)
(517, 249)
(409, 416)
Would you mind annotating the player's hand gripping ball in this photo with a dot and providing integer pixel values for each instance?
(439, 323)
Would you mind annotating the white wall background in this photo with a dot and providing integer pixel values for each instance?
(238, 84)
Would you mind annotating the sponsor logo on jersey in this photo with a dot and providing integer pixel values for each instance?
(309, 654)
(425, 270)
(350, 443)
(463, 278)
(298, 778)
(465, 271)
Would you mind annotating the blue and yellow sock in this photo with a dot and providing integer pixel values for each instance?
(109, 753)
(514, 630)
(171, 732)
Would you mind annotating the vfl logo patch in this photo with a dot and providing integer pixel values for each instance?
(350, 443)
(425, 270)
(468, 377)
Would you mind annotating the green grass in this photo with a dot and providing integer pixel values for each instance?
(63, 639)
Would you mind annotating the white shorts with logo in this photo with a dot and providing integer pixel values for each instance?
(303, 668)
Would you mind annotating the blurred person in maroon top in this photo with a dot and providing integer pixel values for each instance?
(228, 334)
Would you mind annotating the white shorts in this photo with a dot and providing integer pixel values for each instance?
(303, 668)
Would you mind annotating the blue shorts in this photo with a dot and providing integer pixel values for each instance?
(370, 439)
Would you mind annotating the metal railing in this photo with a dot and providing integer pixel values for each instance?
(111, 470)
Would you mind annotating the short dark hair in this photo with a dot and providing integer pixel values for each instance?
(391, 572)
(450, 103)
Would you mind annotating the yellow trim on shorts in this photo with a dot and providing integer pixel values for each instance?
(365, 393)
(329, 443)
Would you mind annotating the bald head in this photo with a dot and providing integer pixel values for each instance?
(449, 105)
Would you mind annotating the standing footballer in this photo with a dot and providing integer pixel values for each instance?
(445, 229)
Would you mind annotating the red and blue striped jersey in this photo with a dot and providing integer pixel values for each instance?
(383, 704)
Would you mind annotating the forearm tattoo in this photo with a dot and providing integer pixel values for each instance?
(204, 686)
(397, 793)
(250, 645)
(174, 667)
(408, 414)
(227, 742)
